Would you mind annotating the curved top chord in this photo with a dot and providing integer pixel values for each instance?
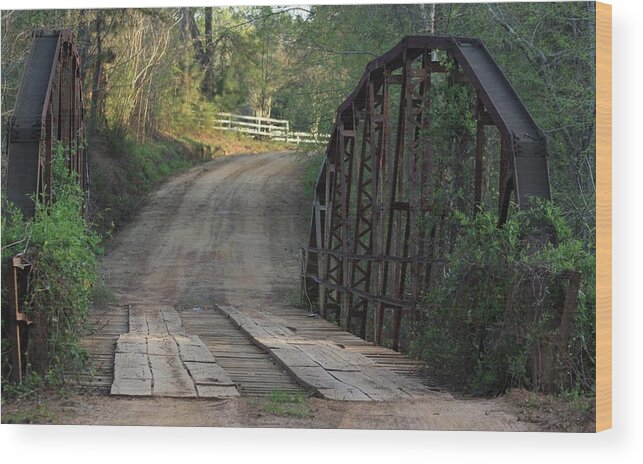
(508, 112)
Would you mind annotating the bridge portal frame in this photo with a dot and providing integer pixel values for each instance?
(366, 247)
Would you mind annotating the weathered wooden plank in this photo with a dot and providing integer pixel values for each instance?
(195, 352)
(324, 364)
(279, 332)
(254, 320)
(268, 342)
(137, 321)
(373, 387)
(292, 356)
(130, 359)
(208, 374)
(216, 391)
(132, 373)
(348, 394)
(131, 387)
(170, 377)
(237, 316)
(172, 321)
(185, 340)
(260, 317)
(162, 346)
(326, 385)
(315, 377)
(155, 324)
(326, 357)
(266, 335)
(131, 343)
(132, 366)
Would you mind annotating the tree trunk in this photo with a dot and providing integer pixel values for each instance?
(98, 69)
(199, 52)
(184, 63)
(208, 78)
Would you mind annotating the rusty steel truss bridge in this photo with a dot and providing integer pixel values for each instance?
(367, 256)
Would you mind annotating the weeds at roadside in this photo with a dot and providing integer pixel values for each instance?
(38, 414)
(102, 296)
(556, 413)
(312, 159)
(281, 403)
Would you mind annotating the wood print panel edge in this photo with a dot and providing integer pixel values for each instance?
(603, 216)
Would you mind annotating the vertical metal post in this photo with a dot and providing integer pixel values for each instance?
(333, 264)
(323, 290)
(14, 327)
(479, 163)
(424, 267)
(366, 207)
(362, 206)
(392, 206)
(17, 321)
(506, 180)
(347, 148)
(379, 218)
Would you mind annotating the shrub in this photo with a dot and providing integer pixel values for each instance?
(62, 250)
(493, 303)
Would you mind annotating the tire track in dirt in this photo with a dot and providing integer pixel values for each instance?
(215, 233)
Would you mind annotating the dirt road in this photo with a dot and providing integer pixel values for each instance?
(229, 232)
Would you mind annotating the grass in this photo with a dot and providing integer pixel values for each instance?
(281, 403)
(557, 413)
(221, 143)
(37, 414)
(312, 160)
(124, 171)
(46, 404)
(102, 296)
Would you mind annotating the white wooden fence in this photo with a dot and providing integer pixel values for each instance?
(273, 129)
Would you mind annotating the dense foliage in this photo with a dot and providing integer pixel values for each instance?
(62, 251)
(494, 302)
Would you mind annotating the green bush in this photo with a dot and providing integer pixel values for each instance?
(62, 251)
(124, 171)
(491, 306)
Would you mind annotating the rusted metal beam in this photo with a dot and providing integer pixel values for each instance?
(17, 321)
(479, 161)
(506, 181)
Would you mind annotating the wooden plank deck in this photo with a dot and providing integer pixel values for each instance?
(158, 358)
(100, 345)
(254, 370)
(250, 367)
(317, 328)
(335, 370)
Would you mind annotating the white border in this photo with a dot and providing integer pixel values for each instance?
(116, 445)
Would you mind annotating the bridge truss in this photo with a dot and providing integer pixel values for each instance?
(48, 111)
(368, 252)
